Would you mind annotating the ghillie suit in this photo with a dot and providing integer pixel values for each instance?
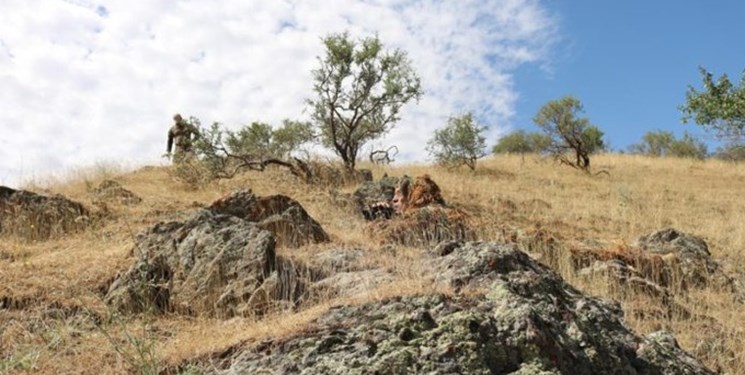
(423, 192)
(422, 217)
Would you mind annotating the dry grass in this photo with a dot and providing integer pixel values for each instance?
(54, 322)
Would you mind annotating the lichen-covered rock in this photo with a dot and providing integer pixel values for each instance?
(685, 257)
(668, 258)
(210, 264)
(32, 216)
(282, 215)
(519, 318)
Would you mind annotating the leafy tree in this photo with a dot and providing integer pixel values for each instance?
(688, 147)
(460, 142)
(720, 107)
(573, 139)
(260, 140)
(654, 143)
(360, 90)
(522, 142)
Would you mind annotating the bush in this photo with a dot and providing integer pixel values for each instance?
(522, 142)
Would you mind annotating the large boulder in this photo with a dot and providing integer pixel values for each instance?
(517, 317)
(211, 264)
(33, 216)
(279, 214)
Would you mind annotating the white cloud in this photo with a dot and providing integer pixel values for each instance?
(88, 81)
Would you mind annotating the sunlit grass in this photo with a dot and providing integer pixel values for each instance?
(507, 197)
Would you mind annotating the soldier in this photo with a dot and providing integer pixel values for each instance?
(182, 133)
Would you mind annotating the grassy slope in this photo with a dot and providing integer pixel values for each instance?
(53, 287)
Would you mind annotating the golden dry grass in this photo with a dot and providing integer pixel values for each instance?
(53, 320)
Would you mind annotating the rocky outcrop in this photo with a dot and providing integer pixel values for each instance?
(667, 259)
(32, 216)
(684, 256)
(211, 264)
(279, 214)
(517, 317)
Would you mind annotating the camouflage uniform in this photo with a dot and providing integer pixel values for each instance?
(182, 134)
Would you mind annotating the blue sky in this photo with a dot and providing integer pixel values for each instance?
(630, 62)
(86, 83)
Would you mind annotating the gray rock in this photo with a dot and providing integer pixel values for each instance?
(519, 318)
(282, 215)
(686, 258)
(210, 264)
(32, 216)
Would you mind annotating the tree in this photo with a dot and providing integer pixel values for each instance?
(360, 90)
(654, 143)
(460, 142)
(568, 133)
(522, 142)
(688, 147)
(720, 107)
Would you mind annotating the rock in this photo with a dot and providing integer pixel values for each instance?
(668, 258)
(684, 258)
(32, 216)
(210, 264)
(521, 318)
(112, 191)
(282, 215)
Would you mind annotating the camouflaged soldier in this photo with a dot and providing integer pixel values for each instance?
(182, 134)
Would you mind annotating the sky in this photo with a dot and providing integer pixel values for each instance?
(85, 83)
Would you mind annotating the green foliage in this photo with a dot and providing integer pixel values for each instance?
(460, 142)
(720, 107)
(360, 90)
(688, 147)
(222, 153)
(654, 143)
(522, 142)
(663, 143)
(568, 133)
(260, 140)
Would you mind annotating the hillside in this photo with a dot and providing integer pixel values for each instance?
(54, 317)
